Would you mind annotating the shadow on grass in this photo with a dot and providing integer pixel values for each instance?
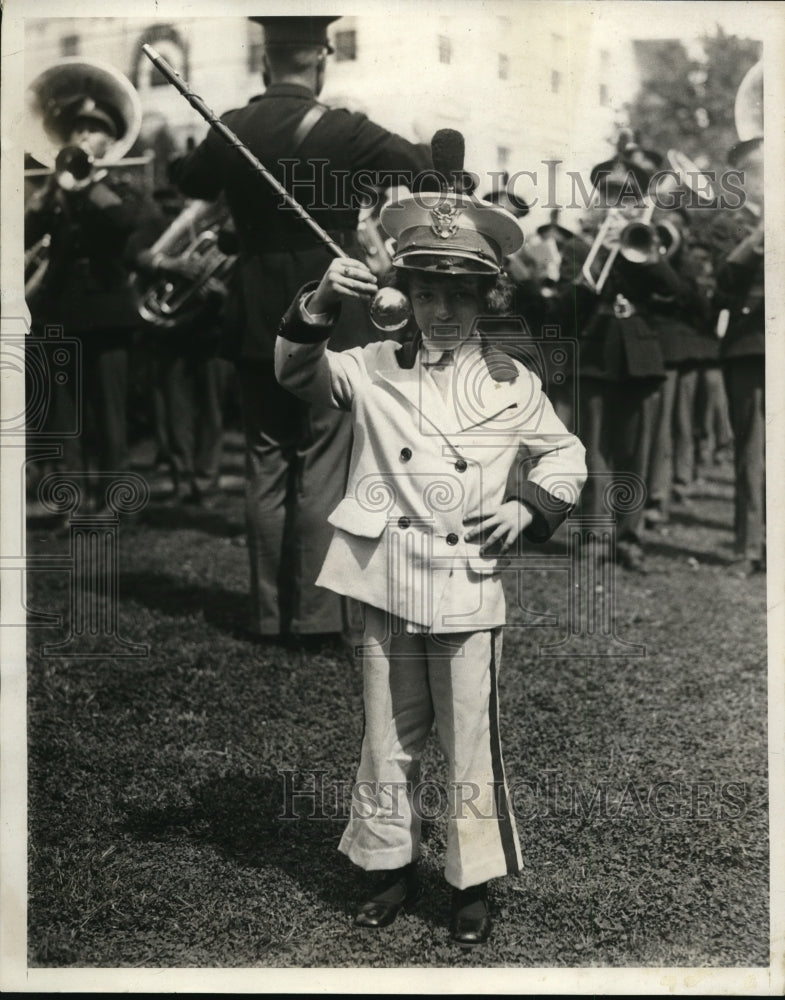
(691, 517)
(659, 547)
(251, 823)
(170, 517)
(224, 609)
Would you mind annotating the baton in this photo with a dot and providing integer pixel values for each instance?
(229, 137)
(390, 309)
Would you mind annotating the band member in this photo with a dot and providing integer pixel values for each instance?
(557, 248)
(189, 375)
(620, 361)
(420, 536)
(85, 290)
(714, 435)
(740, 291)
(296, 454)
(681, 325)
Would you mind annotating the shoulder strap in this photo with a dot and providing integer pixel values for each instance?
(303, 130)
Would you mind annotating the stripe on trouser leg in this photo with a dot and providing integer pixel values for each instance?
(501, 802)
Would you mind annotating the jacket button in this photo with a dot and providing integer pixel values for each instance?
(404, 522)
(406, 454)
(452, 538)
(460, 465)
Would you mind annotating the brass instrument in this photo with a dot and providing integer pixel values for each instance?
(748, 119)
(376, 245)
(75, 169)
(36, 265)
(54, 90)
(642, 243)
(748, 105)
(638, 241)
(172, 300)
(49, 96)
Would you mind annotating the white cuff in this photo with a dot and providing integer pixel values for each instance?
(314, 319)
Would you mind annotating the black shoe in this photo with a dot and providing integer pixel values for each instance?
(400, 891)
(470, 922)
(630, 557)
(655, 515)
(744, 567)
(681, 497)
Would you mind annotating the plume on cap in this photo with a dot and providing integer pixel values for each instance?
(448, 150)
(450, 232)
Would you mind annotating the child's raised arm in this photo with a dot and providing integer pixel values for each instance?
(303, 365)
(344, 278)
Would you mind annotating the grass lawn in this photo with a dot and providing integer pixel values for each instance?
(157, 828)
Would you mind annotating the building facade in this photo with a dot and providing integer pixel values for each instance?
(523, 90)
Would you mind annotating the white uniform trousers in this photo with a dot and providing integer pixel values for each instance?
(411, 680)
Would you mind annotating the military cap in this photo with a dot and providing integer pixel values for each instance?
(63, 117)
(630, 149)
(100, 113)
(619, 172)
(507, 199)
(447, 231)
(296, 32)
(649, 159)
(555, 229)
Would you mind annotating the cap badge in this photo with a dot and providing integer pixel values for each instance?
(445, 219)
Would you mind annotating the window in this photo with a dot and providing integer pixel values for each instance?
(345, 46)
(557, 62)
(69, 45)
(445, 49)
(605, 62)
(504, 66)
(168, 41)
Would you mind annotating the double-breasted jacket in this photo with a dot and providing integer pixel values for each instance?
(425, 467)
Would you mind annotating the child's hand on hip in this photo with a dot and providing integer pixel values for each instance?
(504, 526)
(344, 278)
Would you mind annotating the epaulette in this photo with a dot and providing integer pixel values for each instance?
(501, 367)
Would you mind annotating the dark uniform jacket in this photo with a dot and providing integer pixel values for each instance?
(619, 347)
(682, 321)
(740, 290)
(278, 251)
(86, 287)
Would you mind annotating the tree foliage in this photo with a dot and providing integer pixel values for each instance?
(687, 102)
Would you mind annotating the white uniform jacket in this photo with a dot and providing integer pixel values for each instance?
(425, 467)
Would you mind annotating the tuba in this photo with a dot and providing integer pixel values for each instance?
(54, 93)
(51, 97)
(172, 300)
(748, 105)
(748, 119)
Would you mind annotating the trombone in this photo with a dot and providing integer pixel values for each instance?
(639, 241)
